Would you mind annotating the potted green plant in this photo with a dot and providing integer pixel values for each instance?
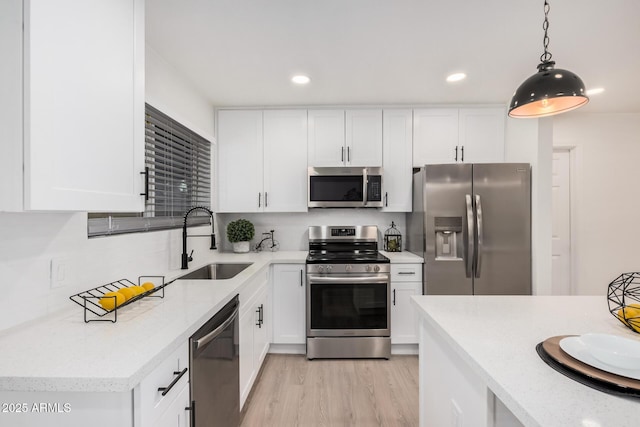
(240, 232)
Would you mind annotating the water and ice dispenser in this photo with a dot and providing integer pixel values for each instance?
(449, 243)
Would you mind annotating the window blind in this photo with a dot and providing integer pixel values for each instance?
(179, 163)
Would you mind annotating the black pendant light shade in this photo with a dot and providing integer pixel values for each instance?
(550, 91)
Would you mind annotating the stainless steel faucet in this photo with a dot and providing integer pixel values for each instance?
(188, 257)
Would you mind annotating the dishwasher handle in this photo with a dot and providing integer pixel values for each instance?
(217, 331)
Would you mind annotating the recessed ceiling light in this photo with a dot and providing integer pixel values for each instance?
(456, 77)
(595, 91)
(300, 79)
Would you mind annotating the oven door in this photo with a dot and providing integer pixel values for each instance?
(346, 306)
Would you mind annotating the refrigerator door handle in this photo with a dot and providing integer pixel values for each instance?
(480, 236)
(470, 237)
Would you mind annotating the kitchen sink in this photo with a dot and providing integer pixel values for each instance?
(216, 271)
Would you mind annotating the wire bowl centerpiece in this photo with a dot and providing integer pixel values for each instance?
(623, 297)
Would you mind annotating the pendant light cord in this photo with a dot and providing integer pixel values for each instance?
(546, 56)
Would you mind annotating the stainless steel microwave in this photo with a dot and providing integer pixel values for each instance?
(345, 187)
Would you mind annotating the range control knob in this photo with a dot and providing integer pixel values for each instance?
(376, 268)
(321, 269)
(329, 268)
(348, 267)
(367, 268)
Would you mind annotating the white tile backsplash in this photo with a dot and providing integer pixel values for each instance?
(28, 242)
(291, 228)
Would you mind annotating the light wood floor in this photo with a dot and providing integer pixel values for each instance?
(293, 391)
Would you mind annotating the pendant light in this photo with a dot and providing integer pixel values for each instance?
(551, 90)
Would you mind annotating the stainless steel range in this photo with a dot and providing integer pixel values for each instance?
(348, 294)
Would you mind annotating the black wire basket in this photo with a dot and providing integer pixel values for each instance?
(90, 299)
(623, 297)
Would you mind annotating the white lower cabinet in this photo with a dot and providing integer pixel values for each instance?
(406, 281)
(151, 407)
(255, 316)
(176, 414)
(289, 304)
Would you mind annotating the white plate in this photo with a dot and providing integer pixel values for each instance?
(614, 350)
(578, 349)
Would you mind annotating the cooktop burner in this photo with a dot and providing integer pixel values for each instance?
(347, 258)
(344, 245)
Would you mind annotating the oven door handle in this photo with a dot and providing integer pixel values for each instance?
(378, 278)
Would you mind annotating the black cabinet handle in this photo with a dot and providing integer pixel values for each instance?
(259, 199)
(348, 154)
(301, 282)
(394, 297)
(266, 200)
(462, 149)
(386, 199)
(146, 183)
(342, 155)
(456, 153)
(260, 312)
(179, 374)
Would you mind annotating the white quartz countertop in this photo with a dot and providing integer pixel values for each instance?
(403, 257)
(497, 335)
(62, 353)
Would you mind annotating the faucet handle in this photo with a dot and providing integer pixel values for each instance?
(191, 256)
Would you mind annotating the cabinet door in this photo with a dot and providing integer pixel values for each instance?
(326, 138)
(247, 373)
(435, 136)
(240, 173)
(404, 321)
(397, 166)
(261, 329)
(482, 134)
(176, 415)
(84, 105)
(288, 305)
(11, 180)
(364, 138)
(285, 161)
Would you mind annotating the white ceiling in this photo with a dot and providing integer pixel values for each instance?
(243, 52)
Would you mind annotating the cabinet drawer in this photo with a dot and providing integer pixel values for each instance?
(406, 272)
(152, 403)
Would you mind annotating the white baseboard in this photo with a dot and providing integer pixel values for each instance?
(404, 349)
(288, 348)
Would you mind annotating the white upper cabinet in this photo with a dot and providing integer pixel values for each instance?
(240, 164)
(458, 135)
(285, 161)
(435, 135)
(262, 160)
(397, 166)
(482, 134)
(363, 140)
(326, 138)
(345, 138)
(81, 74)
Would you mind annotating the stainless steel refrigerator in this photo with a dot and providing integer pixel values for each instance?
(472, 225)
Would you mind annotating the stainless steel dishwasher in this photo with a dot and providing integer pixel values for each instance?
(215, 370)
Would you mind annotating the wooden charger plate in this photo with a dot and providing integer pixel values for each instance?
(550, 352)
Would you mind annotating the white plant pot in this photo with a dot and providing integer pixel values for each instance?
(241, 247)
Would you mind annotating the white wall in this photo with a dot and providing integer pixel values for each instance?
(530, 141)
(606, 149)
(291, 229)
(28, 241)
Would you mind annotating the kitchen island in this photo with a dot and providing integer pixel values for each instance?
(479, 366)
